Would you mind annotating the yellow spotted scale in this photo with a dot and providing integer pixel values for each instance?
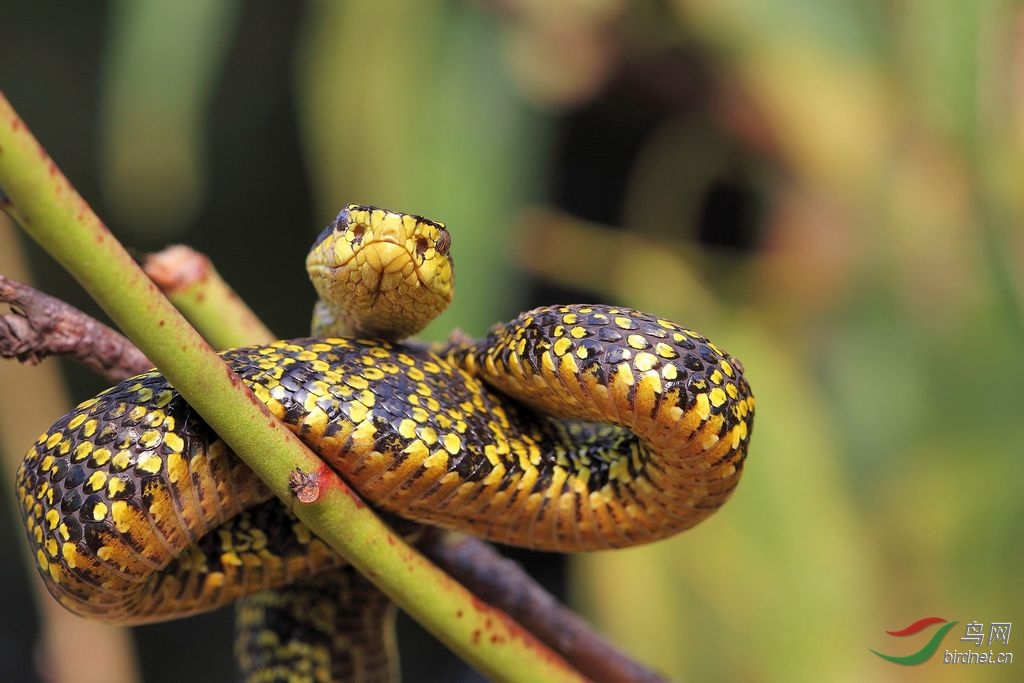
(570, 428)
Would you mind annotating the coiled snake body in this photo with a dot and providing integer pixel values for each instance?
(569, 428)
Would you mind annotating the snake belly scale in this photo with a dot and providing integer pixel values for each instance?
(569, 428)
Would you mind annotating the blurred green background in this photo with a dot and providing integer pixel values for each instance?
(831, 191)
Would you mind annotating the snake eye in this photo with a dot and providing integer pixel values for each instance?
(444, 242)
(344, 223)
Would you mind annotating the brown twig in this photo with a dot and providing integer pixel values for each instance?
(478, 566)
(503, 584)
(40, 325)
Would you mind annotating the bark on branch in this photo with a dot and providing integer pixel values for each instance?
(40, 325)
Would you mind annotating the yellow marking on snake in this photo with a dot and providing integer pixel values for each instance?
(506, 437)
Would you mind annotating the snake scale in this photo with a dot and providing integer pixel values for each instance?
(570, 428)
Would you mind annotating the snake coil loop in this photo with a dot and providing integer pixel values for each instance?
(569, 428)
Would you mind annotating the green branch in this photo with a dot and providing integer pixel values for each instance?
(37, 195)
(197, 290)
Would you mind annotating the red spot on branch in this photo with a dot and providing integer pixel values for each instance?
(356, 500)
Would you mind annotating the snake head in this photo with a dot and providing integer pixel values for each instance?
(382, 273)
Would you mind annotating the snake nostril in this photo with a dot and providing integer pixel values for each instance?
(358, 230)
(422, 245)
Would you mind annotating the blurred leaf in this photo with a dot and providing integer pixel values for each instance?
(422, 123)
(157, 89)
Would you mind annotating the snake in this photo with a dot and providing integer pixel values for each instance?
(569, 428)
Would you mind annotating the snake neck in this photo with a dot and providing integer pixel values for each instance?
(333, 321)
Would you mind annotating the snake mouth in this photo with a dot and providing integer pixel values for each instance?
(383, 264)
(390, 260)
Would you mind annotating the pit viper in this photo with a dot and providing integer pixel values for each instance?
(570, 428)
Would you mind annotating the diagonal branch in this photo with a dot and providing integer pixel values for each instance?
(47, 207)
(474, 563)
(208, 302)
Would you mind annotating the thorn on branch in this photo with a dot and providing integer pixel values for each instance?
(305, 486)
